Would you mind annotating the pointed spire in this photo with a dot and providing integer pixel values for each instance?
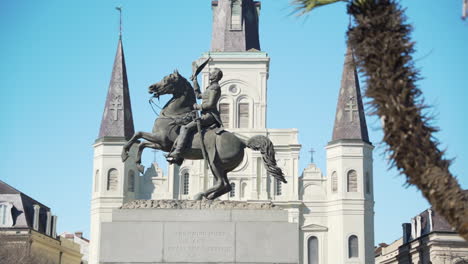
(350, 120)
(117, 120)
(235, 25)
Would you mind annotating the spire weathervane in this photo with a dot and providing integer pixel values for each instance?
(119, 8)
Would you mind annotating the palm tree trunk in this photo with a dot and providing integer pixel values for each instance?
(383, 48)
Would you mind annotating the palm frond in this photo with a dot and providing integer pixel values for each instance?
(305, 6)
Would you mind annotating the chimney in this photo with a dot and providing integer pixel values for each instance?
(79, 234)
(406, 232)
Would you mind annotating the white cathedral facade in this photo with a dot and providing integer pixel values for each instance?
(334, 209)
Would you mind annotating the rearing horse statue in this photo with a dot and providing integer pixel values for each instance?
(224, 151)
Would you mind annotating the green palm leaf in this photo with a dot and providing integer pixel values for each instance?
(305, 6)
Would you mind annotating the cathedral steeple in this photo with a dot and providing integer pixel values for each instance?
(117, 120)
(235, 25)
(350, 121)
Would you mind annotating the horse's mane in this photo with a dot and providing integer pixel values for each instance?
(187, 90)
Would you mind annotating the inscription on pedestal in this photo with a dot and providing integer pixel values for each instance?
(210, 242)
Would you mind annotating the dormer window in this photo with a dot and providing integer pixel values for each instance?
(6, 219)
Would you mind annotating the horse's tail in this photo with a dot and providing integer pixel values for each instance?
(265, 146)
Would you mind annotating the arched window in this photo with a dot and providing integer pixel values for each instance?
(112, 180)
(352, 181)
(334, 182)
(353, 247)
(236, 15)
(278, 190)
(233, 190)
(312, 250)
(96, 181)
(368, 184)
(224, 113)
(186, 179)
(131, 181)
(243, 115)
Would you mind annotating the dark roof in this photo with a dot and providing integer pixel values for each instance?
(350, 120)
(117, 119)
(244, 39)
(23, 207)
(439, 224)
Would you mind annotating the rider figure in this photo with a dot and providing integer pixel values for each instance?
(209, 117)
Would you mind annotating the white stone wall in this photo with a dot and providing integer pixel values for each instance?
(350, 212)
(107, 156)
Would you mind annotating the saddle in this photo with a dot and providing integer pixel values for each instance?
(193, 150)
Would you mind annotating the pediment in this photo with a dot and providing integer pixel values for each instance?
(314, 227)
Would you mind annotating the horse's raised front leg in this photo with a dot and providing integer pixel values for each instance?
(141, 147)
(140, 134)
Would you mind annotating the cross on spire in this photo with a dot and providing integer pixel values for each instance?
(351, 108)
(311, 151)
(116, 105)
(155, 151)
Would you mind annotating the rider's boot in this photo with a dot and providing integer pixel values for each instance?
(175, 156)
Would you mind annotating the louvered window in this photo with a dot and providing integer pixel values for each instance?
(112, 180)
(334, 182)
(236, 15)
(352, 181)
(224, 112)
(243, 115)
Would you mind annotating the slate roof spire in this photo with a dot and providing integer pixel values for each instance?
(350, 120)
(117, 119)
(235, 25)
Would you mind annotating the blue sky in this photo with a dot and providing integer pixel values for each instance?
(57, 59)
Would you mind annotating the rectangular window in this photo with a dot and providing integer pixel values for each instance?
(243, 115)
(224, 112)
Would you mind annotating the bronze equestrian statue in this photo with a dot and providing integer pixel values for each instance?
(174, 128)
(210, 116)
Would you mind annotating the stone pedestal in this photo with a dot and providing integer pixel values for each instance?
(199, 234)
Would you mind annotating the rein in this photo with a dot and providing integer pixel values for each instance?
(151, 103)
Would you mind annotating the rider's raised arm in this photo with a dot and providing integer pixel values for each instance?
(196, 88)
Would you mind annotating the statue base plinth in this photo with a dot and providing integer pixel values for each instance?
(206, 232)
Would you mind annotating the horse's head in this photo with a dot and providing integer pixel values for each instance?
(173, 83)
